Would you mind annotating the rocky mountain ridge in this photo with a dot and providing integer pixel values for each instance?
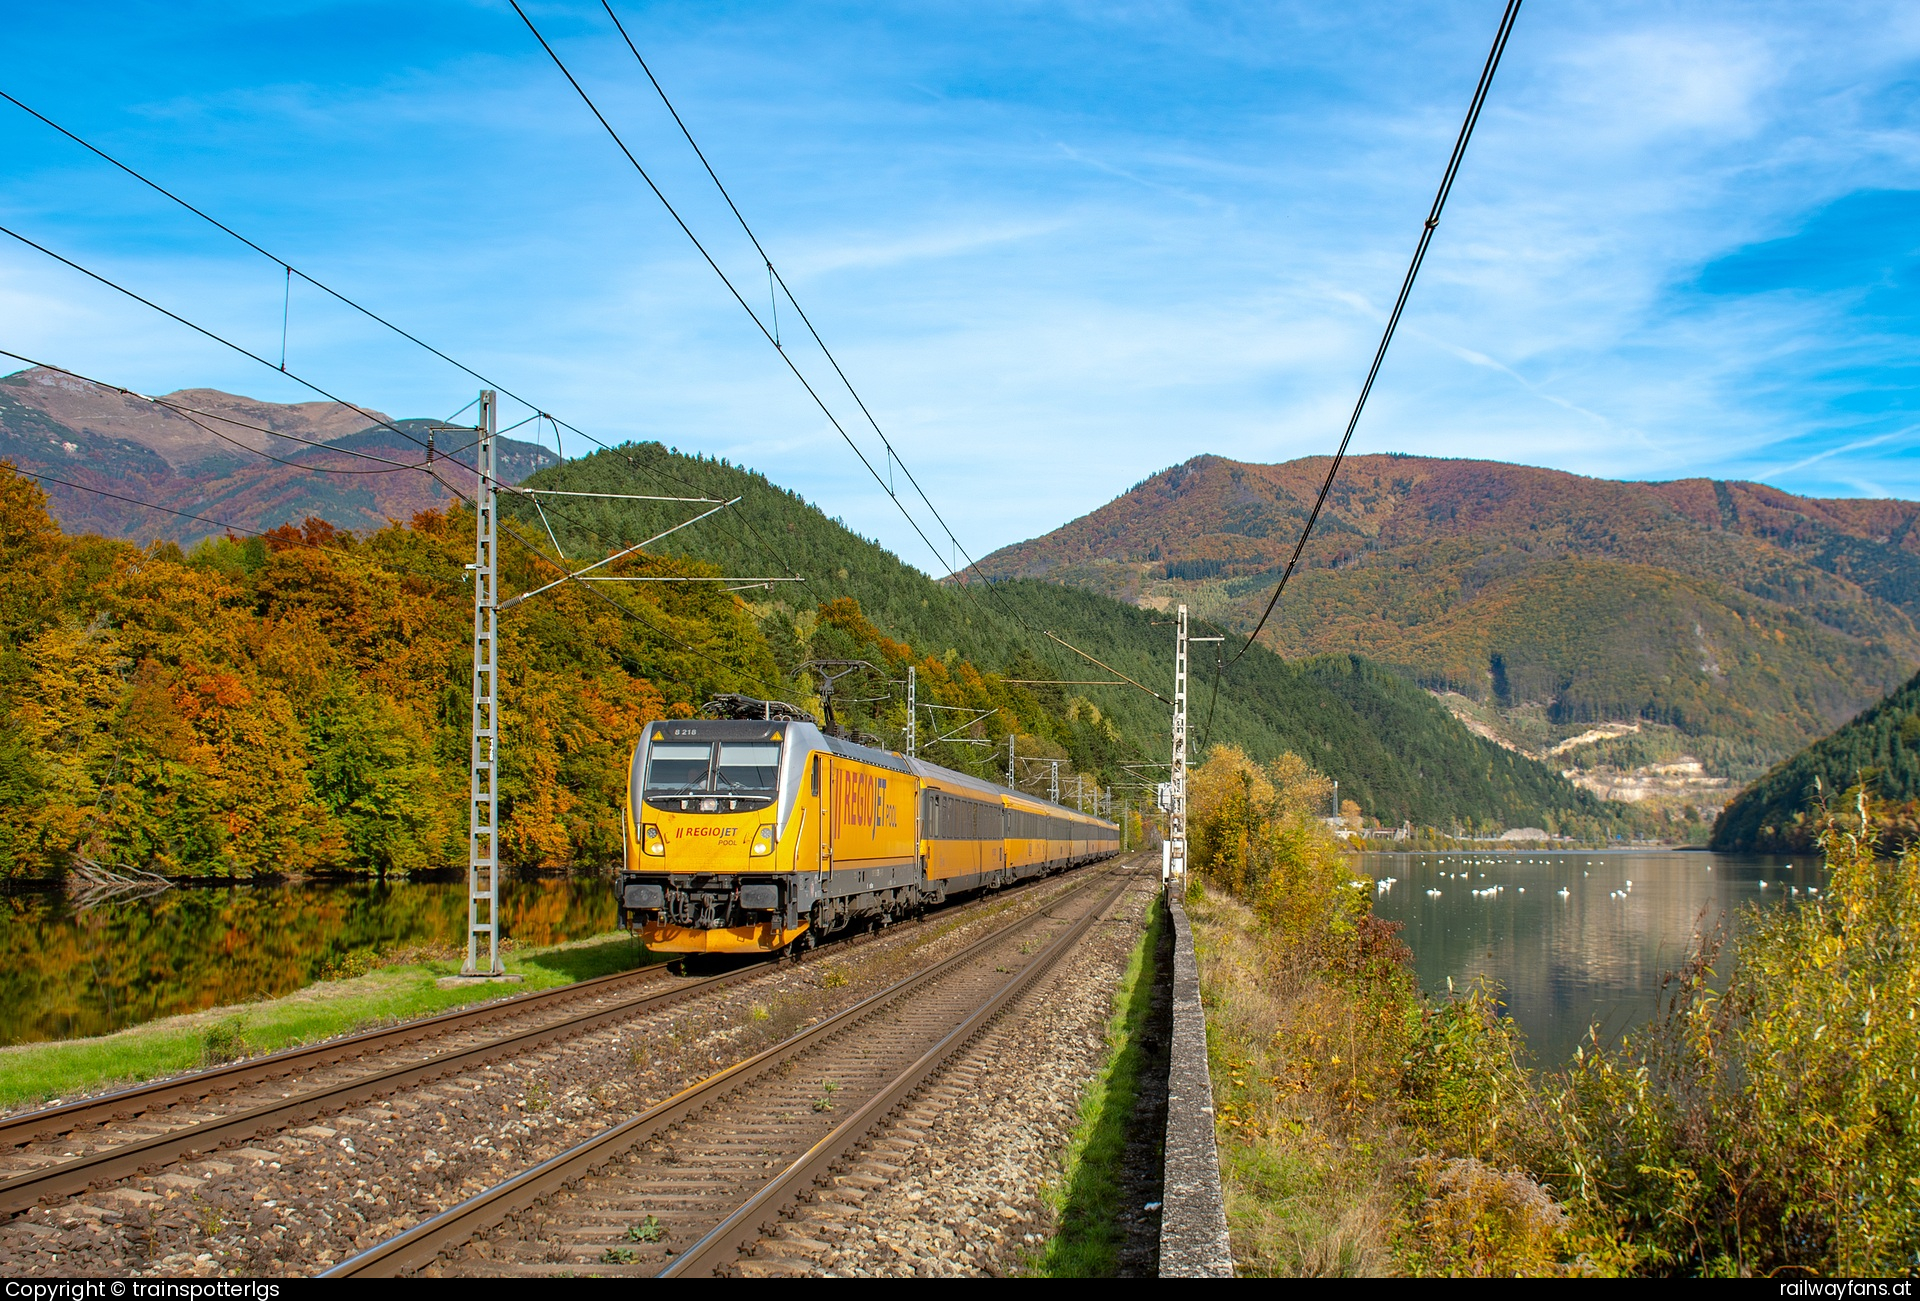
(227, 458)
(1734, 621)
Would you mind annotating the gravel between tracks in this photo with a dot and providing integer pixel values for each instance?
(955, 1184)
(298, 1201)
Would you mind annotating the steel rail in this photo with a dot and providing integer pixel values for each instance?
(78, 1174)
(431, 1238)
(50, 1123)
(81, 1173)
(722, 1245)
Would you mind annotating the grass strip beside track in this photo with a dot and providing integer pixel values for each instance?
(45, 1072)
(1087, 1199)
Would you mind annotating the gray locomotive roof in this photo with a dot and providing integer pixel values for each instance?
(848, 749)
(952, 778)
(948, 775)
(900, 763)
(921, 768)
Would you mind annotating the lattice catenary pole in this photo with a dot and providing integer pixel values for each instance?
(1177, 814)
(483, 836)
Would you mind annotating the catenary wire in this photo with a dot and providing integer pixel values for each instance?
(508, 488)
(892, 453)
(1427, 228)
(189, 413)
(451, 488)
(1399, 306)
(290, 270)
(724, 279)
(135, 501)
(767, 548)
(774, 272)
(372, 417)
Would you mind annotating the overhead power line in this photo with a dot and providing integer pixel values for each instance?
(775, 277)
(423, 467)
(191, 414)
(732, 289)
(1399, 306)
(135, 501)
(772, 335)
(287, 266)
(292, 271)
(800, 311)
(373, 418)
(1427, 228)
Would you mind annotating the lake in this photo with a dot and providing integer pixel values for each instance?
(68, 972)
(1570, 941)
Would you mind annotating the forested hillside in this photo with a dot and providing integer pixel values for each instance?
(1391, 747)
(299, 702)
(1749, 620)
(1878, 752)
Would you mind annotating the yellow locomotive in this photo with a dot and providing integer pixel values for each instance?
(749, 836)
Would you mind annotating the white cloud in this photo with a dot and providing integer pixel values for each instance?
(1085, 247)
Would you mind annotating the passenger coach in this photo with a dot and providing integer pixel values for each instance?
(752, 836)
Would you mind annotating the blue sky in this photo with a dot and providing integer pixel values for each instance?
(1058, 247)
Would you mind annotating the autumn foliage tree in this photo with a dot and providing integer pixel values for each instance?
(300, 701)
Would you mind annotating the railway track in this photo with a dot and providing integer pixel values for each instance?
(683, 1187)
(65, 1150)
(132, 1146)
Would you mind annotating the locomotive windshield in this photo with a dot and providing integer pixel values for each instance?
(751, 768)
(743, 768)
(678, 769)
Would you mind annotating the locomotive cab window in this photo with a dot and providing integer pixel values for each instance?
(747, 769)
(678, 769)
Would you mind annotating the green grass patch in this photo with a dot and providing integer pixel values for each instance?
(385, 995)
(1087, 1201)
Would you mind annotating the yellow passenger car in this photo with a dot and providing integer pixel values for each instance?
(747, 836)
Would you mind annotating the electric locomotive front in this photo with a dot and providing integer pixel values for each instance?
(707, 802)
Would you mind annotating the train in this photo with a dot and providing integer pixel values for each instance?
(763, 835)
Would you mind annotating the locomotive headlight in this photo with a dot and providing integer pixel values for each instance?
(650, 842)
(762, 842)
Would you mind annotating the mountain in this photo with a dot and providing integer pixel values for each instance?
(1879, 750)
(216, 463)
(1392, 747)
(1717, 625)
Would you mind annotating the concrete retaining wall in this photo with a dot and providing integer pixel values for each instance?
(1193, 1216)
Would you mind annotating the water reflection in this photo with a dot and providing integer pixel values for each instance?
(66, 974)
(1577, 938)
